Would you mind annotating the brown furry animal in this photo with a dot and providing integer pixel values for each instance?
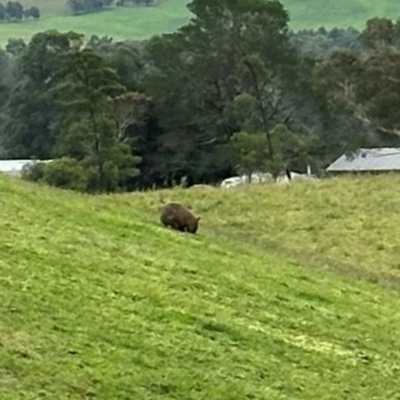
(179, 217)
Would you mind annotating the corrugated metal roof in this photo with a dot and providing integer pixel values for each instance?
(378, 159)
(15, 165)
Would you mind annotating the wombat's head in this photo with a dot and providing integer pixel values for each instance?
(193, 225)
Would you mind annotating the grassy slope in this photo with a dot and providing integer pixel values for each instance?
(139, 23)
(121, 23)
(97, 300)
(339, 13)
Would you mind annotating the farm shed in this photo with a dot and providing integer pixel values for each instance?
(14, 167)
(377, 160)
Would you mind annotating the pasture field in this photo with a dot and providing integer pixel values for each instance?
(142, 22)
(134, 23)
(98, 300)
(338, 13)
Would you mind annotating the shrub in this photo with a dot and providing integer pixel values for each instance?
(65, 173)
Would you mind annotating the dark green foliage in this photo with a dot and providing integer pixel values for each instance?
(30, 125)
(13, 11)
(381, 32)
(363, 86)
(320, 43)
(88, 131)
(233, 91)
(33, 12)
(65, 173)
(71, 108)
(250, 152)
(225, 53)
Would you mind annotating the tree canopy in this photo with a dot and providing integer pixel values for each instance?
(233, 91)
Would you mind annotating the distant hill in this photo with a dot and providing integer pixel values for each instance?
(119, 23)
(142, 22)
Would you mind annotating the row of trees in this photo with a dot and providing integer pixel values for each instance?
(231, 92)
(122, 3)
(15, 12)
(78, 7)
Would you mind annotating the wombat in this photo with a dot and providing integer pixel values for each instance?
(179, 217)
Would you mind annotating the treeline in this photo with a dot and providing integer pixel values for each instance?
(88, 6)
(15, 12)
(233, 91)
(147, 3)
(78, 7)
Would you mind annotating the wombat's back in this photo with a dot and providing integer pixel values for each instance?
(179, 217)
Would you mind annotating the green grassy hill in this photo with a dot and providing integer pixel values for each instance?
(119, 23)
(284, 293)
(339, 13)
(142, 22)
